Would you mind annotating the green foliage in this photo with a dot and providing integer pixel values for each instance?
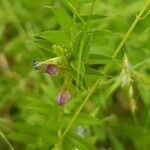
(101, 53)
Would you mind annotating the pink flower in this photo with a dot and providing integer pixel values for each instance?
(63, 96)
(52, 69)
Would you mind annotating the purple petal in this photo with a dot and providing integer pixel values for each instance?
(63, 96)
(52, 69)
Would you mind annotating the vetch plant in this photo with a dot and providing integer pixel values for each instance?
(89, 88)
(79, 60)
(52, 67)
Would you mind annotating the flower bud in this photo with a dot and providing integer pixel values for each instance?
(52, 69)
(63, 96)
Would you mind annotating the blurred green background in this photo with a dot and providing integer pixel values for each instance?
(28, 108)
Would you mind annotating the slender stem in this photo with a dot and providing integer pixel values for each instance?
(141, 63)
(3, 137)
(79, 62)
(81, 49)
(138, 17)
(79, 109)
(92, 8)
(75, 11)
(145, 15)
(80, 52)
(73, 26)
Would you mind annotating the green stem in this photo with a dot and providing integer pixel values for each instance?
(81, 51)
(138, 17)
(79, 62)
(145, 15)
(73, 26)
(92, 8)
(3, 137)
(140, 64)
(79, 109)
(75, 11)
